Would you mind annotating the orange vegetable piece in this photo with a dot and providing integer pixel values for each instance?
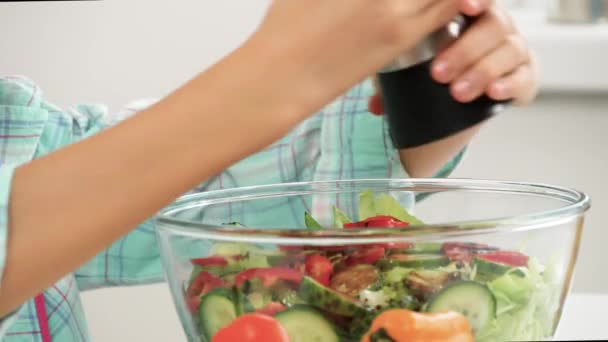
(409, 326)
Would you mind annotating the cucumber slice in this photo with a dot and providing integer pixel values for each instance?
(324, 298)
(242, 303)
(472, 299)
(413, 261)
(304, 323)
(216, 311)
(489, 269)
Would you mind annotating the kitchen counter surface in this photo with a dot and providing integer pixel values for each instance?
(584, 317)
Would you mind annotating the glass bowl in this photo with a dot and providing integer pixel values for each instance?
(501, 254)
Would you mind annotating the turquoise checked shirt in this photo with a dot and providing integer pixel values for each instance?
(343, 141)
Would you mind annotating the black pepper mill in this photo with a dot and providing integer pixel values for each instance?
(420, 110)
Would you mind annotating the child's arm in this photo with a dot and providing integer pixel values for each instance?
(427, 160)
(69, 205)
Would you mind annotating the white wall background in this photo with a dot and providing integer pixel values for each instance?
(114, 51)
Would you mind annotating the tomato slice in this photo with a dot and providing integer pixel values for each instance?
(269, 276)
(252, 327)
(319, 268)
(214, 260)
(201, 285)
(509, 258)
(378, 222)
(365, 256)
(272, 309)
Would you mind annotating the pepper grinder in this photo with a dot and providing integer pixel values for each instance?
(420, 110)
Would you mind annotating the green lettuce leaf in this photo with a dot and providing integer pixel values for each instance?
(367, 205)
(311, 223)
(383, 205)
(340, 219)
(389, 206)
(527, 306)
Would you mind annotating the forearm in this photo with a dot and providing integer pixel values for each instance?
(69, 205)
(427, 160)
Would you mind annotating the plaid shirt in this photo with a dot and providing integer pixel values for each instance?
(342, 141)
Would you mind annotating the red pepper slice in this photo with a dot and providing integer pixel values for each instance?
(378, 222)
(269, 276)
(365, 256)
(201, 285)
(513, 259)
(272, 309)
(214, 260)
(319, 268)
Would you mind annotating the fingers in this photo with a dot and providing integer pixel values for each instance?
(482, 38)
(474, 8)
(503, 60)
(437, 15)
(520, 85)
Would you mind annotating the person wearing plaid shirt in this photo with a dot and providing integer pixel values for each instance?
(74, 182)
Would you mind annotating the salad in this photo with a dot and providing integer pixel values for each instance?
(346, 293)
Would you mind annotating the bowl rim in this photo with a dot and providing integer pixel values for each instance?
(578, 203)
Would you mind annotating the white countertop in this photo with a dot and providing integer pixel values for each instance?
(584, 318)
(146, 313)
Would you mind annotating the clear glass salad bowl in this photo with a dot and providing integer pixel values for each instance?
(324, 259)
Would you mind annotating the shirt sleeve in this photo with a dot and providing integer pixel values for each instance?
(22, 121)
